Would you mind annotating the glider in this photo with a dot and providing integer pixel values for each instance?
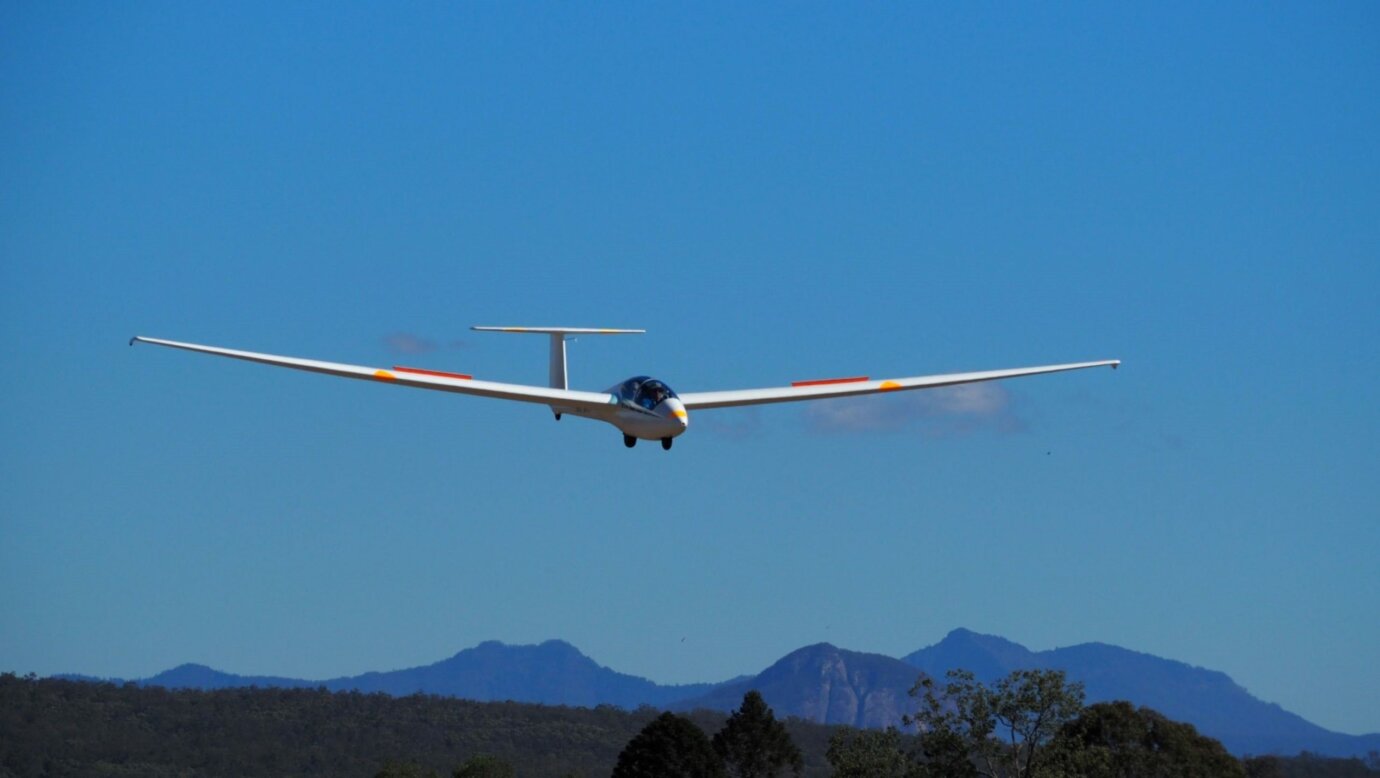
(643, 408)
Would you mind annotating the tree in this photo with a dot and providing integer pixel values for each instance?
(869, 753)
(1263, 767)
(1116, 740)
(670, 746)
(405, 770)
(1001, 732)
(753, 744)
(484, 766)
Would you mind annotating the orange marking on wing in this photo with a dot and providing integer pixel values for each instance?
(888, 386)
(384, 375)
(437, 373)
(826, 381)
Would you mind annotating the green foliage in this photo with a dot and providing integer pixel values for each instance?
(405, 770)
(967, 728)
(51, 727)
(946, 754)
(1307, 765)
(56, 727)
(753, 744)
(870, 753)
(1263, 767)
(1115, 740)
(669, 747)
(484, 766)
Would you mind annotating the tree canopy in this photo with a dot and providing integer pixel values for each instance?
(1001, 731)
(1117, 740)
(670, 746)
(484, 766)
(753, 744)
(870, 753)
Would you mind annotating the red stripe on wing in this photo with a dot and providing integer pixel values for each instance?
(827, 381)
(437, 373)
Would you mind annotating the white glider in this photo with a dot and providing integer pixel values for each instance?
(641, 407)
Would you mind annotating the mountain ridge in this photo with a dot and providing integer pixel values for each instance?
(854, 688)
(830, 685)
(552, 672)
(1208, 699)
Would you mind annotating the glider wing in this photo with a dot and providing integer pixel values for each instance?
(414, 377)
(849, 387)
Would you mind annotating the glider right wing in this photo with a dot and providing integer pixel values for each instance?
(848, 387)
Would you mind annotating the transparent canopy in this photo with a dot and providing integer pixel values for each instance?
(644, 392)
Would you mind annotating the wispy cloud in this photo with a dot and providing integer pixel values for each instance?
(407, 343)
(744, 423)
(946, 412)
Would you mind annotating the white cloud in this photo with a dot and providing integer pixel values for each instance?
(408, 343)
(737, 425)
(944, 412)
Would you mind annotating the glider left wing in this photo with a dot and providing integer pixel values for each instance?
(420, 379)
(849, 387)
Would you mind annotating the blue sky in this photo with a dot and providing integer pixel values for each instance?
(776, 193)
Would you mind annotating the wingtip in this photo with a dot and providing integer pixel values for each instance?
(132, 339)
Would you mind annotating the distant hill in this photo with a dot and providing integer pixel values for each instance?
(553, 673)
(829, 685)
(825, 685)
(1208, 699)
(190, 676)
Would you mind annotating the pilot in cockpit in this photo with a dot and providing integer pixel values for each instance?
(645, 393)
(656, 395)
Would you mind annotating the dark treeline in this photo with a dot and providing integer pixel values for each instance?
(1308, 765)
(51, 727)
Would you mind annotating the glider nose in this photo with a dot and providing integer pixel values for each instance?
(676, 410)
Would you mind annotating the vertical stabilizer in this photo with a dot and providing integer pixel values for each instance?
(557, 363)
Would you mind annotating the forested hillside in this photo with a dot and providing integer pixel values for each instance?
(829, 685)
(54, 727)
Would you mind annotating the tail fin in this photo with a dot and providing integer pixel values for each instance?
(556, 364)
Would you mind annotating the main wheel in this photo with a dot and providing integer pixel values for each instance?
(666, 443)
(629, 441)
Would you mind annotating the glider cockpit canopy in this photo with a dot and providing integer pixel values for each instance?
(644, 392)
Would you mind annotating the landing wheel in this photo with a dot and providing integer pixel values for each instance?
(666, 443)
(629, 441)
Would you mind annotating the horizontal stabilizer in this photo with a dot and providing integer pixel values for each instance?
(561, 330)
(556, 363)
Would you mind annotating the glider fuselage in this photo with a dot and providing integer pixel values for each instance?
(641, 407)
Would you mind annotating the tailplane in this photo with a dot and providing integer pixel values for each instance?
(556, 365)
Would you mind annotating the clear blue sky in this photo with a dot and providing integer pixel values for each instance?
(775, 192)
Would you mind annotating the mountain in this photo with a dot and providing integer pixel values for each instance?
(191, 676)
(825, 685)
(1208, 699)
(830, 685)
(553, 673)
